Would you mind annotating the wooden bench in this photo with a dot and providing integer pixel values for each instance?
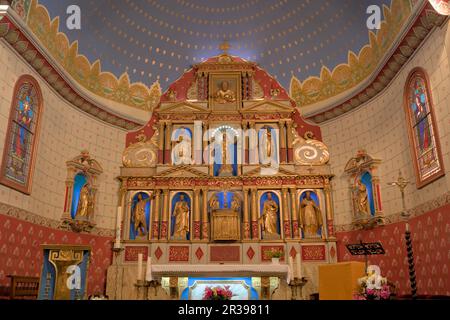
(22, 287)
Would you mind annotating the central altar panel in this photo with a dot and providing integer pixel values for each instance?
(226, 225)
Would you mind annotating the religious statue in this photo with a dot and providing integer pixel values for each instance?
(214, 202)
(181, 153)
(138, 216)
(84, 203)
(226, 169)
(235, 203)
(266, 148)
(269, 217)
(225, 94)
(362, 199)
(181, 214)
(311, 216)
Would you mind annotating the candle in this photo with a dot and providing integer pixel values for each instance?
(148, 273)
(291, 265)
(299, 266)
(118, 227)
(139, 273)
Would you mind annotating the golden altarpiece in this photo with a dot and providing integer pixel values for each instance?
(225, 173)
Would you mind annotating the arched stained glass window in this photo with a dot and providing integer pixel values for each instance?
(423, 133)
(18, 153)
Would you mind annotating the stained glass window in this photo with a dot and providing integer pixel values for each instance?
(18, 151)
(422, 132)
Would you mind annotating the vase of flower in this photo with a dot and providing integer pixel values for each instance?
(275, 255)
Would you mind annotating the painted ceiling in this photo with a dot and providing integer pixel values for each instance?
(129, 51)
(157, 40)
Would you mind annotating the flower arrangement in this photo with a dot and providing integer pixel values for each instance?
(373, 287)
(275, 253)
(218, 293)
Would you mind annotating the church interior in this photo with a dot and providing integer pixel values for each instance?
(224, 150)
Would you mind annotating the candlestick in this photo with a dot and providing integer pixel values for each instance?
(291, 265)
(139, 274)
(148, 273)
(299, 266)
(118, 227)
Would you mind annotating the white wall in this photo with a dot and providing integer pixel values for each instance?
(65, 131)
(380, 127)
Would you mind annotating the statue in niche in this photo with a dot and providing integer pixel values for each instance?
(181, 214)
(362, 199)
(226, 169)
(235, 203)
(138, 216)
(182, 153)
(85, 203)
(214, 202)
(267, 143)
(269, 217)
(225, 94)
(311, 216)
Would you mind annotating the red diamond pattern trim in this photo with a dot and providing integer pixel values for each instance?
(250, 253)
(293, 252)
(158, 253)
(199, 253)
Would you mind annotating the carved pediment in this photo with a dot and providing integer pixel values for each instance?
(84, 162)
(268, 106)
(182, 171)
(362, 160)
(181, 107)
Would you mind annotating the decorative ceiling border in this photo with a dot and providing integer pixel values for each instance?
(425, 21)
(12, 33)
(88, 75)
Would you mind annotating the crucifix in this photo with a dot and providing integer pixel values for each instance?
(402, 183)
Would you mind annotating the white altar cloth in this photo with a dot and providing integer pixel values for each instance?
(223, 270)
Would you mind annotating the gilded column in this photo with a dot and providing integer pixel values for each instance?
(377, 194)
(254, 208)
(161, 142)
(295, 227)
(282, 135)
(167, 156)
(290, 152)
(246, 218)
(155, 225)
(329, 205)
(286, 213)
(165, 215)
(205, 222)
(196, 215)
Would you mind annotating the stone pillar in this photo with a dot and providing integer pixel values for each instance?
(168, 149)
(155, 225)
(246, 217)
(196, 217)
(290, 152)
(254, 208)
(282, 135)
(162, 137)
(205, 220)
(165, 215)
(295, 226)
(286, 213)
(329, 205)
